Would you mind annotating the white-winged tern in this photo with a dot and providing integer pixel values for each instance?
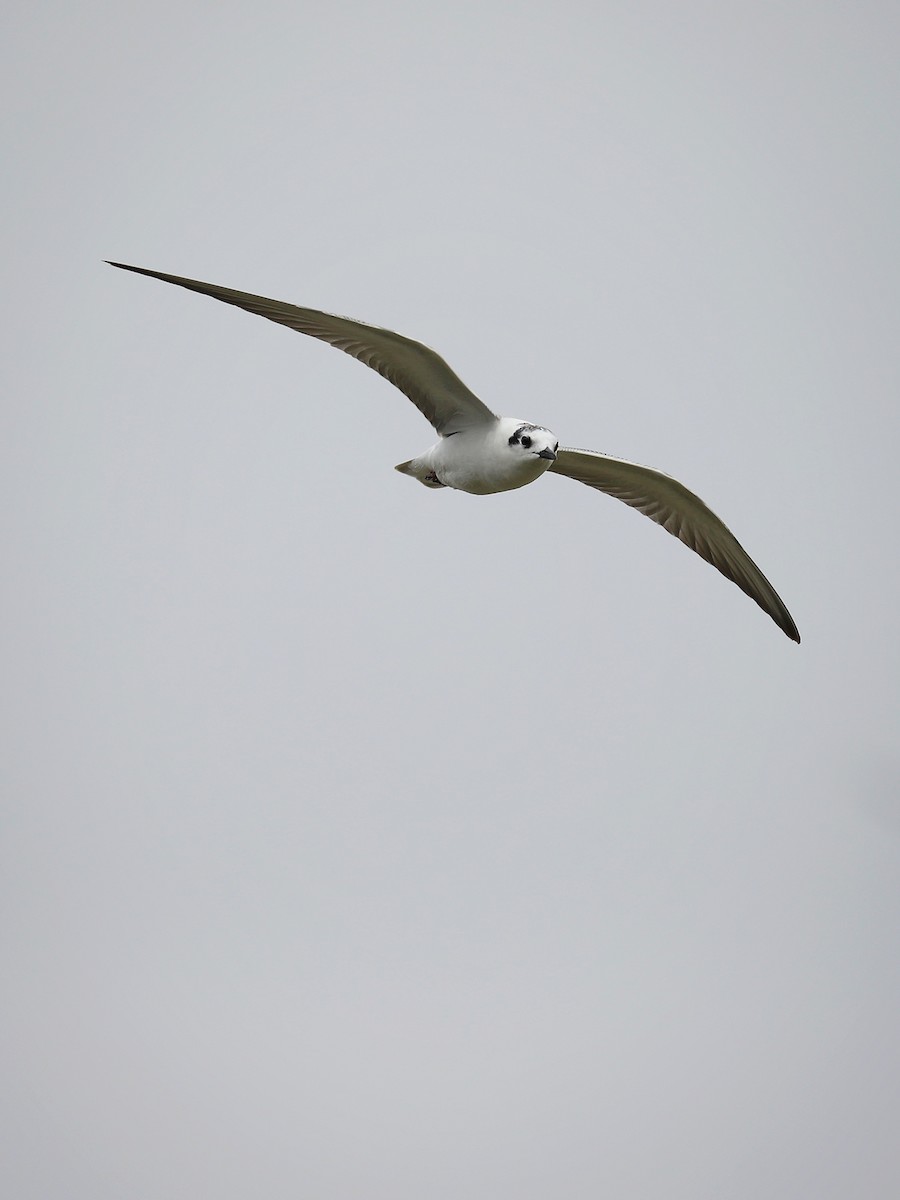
(479, 452)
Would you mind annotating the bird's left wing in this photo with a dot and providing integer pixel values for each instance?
(672, 505)
(437, 392)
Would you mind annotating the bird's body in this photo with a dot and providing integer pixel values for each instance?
(482, 459)
(481, 453)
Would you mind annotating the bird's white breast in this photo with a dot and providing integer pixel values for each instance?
(481, 461)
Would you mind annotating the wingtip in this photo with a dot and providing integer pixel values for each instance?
(787, 626)
(786, 622)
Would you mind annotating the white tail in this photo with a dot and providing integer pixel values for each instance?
(420, 470)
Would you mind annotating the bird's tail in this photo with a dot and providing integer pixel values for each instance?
(420, 470)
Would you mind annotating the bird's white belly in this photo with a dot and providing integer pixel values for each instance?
(482, 467)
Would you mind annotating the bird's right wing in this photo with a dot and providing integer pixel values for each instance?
(437, 392)
(672, 505)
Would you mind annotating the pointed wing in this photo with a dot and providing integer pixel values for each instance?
(418, 372)
(670, 504)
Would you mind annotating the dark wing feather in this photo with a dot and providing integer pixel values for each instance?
(684, 515)
(418, 372)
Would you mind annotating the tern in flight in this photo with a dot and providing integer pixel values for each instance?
(479, 452)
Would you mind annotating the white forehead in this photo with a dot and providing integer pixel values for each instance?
(514, 430)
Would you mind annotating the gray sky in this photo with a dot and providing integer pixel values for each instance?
(367, 841)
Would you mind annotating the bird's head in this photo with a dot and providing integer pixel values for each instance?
(531, 442)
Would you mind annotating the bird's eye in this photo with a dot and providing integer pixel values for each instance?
(526, 441)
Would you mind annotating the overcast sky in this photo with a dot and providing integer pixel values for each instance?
(362, 840)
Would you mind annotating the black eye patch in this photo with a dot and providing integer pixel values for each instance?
(518, 436)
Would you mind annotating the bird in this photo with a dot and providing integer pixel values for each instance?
(479, 452)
